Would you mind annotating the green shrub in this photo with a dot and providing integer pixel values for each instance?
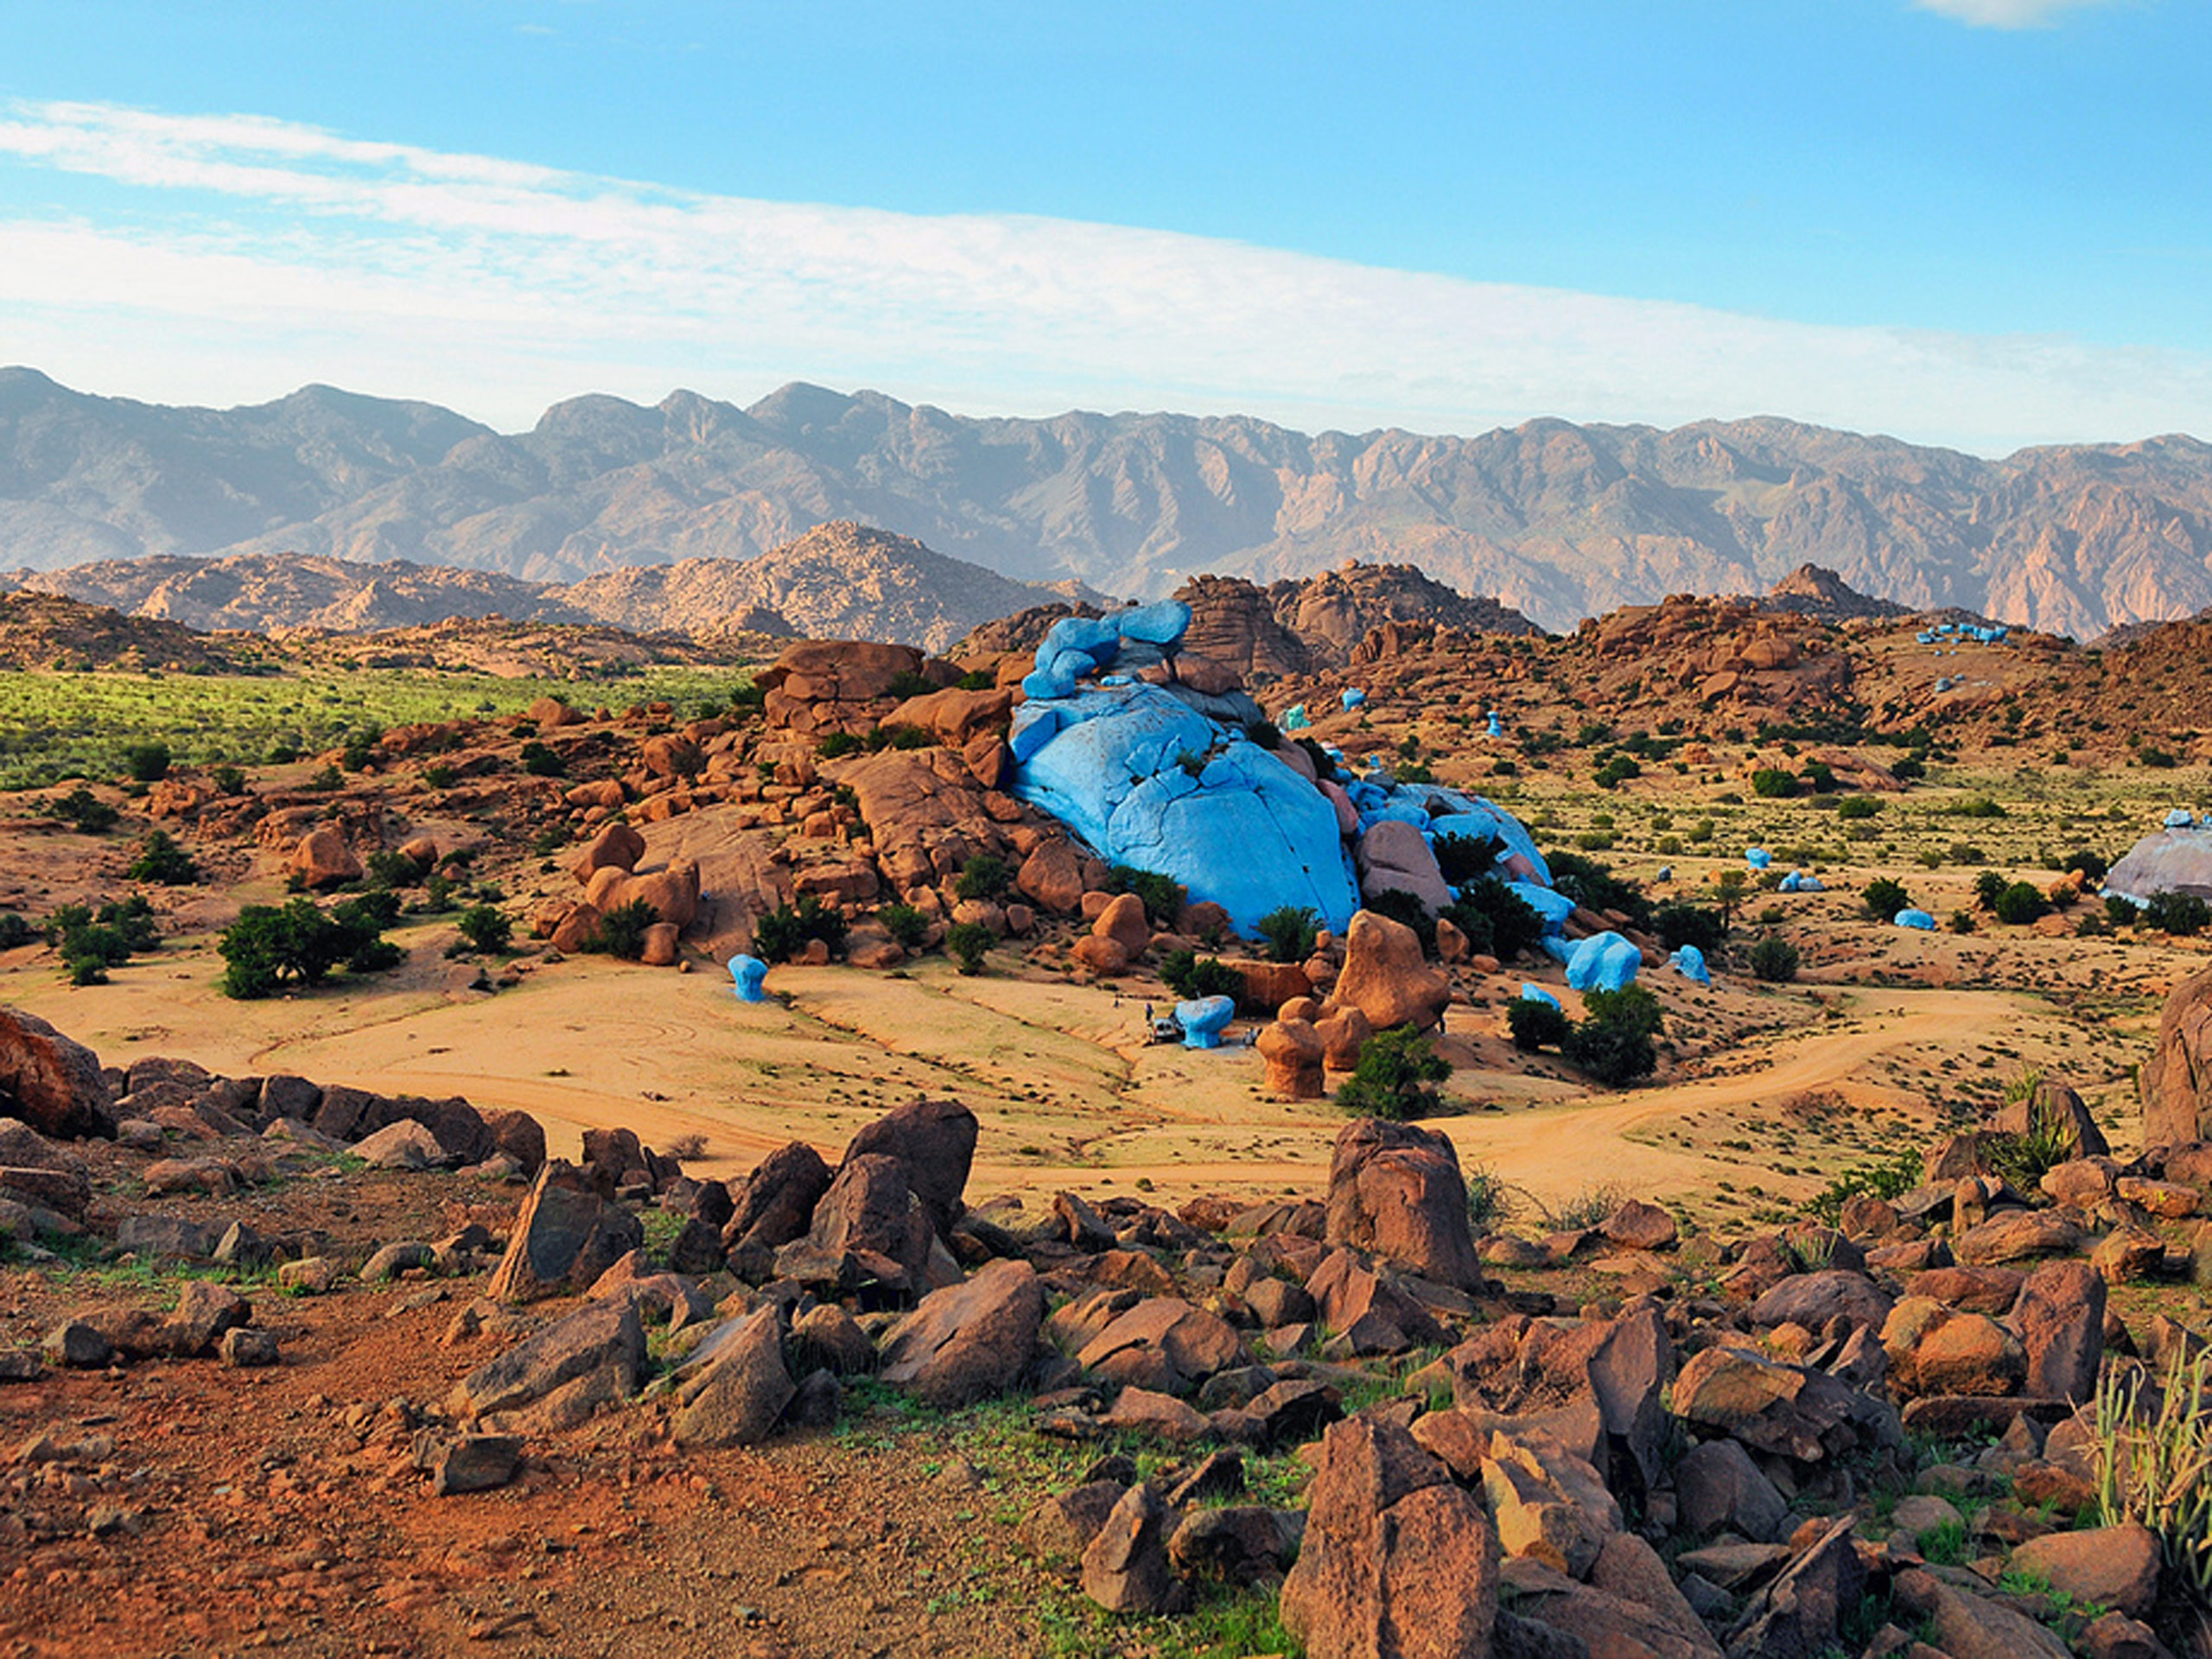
(1191, 976)
(326, 780)
(1537, 1023)
(1395, 1077)
(146, 763)
(907, 683)
(1986, 887)
(836, 745)
(487, 928)
(1463, 858)
(968, 942)
(161, 861)
(2019, 904)
(1884, 898)
(1853, 807)
(1678, 925)
(440, 776)
(982, 878)
(84, 812)
(1162, 895)
(90, 941)
(2181, 914)
(15, 932)
(2091, 865)
(1979, 806)
(1961, 922)
(268, 947)
(1890, 1178)
(621, 931)
(1497, 920)
(1289, 932)
(1617, 772)
(1613, 1041)
(904, 924)
(1490, 1200)
(784, 931)
(541, 761)
(1775, 960)
(361, 751)
(978, 680)
(228, 780)
(1773, 783)
(901, 736)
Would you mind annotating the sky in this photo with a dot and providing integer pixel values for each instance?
(1978, 222)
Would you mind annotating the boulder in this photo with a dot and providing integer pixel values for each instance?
(1051, 876)
(776, 1203)
(933, 1142)
(2016, 1236)
(2060, 1317)
(1385, 977)
(51, 1082)
(870, 1221)
(968, 1341)
(1804, 1611)
(1368, 1312)
(2117, 1566)
(616, 847)
(1396, 1192)
(565, 1237)
(1717, 1485)
(1770, 1406)
(2175, 1084)
(1547, 1503)
(1394, 857)
(1813, 1298)
(1122, 925)
(324, 860)
(1968, 1626)
(602, 1339)
(1398, 1562)
(1343, 1033)
(1162, 1343)
(1293, 1051)
(2056, 1111)
(737, 1396)
(1125, 1564)
(1640, 1226)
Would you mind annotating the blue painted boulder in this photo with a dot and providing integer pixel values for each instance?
(1353, 698)
(1919, 919)
(748, 976)
(1532, 992)
(1604, 962)
(1757, 857)
(1205, 1020)
(1689, 962)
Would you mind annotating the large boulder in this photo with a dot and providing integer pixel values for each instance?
(2176, 1082)
(51, 1082)
(933, 1142)
(1394, 857)
(1398, 1562)
(322, 859)
(1396, 1192)
(602, 1341)
(1771, 1405)
(1162, 1343)
(1385, 976)
(2060, 1318)
(564, 1238)
(776, 1203)
(968, 1341)
(2052, 1110)
(737, 1395)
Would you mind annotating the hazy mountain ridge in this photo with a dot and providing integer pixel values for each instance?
(1555, 519)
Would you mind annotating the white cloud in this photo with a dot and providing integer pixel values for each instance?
(250, 256)
(2007, 14)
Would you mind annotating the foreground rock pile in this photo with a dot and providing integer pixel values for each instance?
(1628, 1438)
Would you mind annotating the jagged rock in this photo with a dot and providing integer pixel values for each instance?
(737, 1395)
(1398, 1562)
(323, 860)
(565, 1237)
(1547, 1503)
(1238, 1544)
(1061, 1527)
(933, 1142)
(1803, 1610)
(1813, 1298)
(1967, 1626)
(1163, 1343)
(2060, 1317)
(968, 1341)
(2175, 1084)
(776, 1203)
(2016, 1236)
(827, 1339)
(204, 1313)
(2116, 1566)
(1125, 1564)
(1773, 1406)
(51, 1082)
(1396, 1192)
(245, 1349)
(1368, 1312)
(602, 1339)
(1385, 977)
(1636, 1225)
(475, 1462)
(1718, 1485)
(870, 1215)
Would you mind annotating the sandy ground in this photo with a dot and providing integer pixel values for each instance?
(1069, 1095)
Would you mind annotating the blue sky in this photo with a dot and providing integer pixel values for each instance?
(1979, 222)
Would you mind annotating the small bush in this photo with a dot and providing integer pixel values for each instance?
(161, 861)
(2092, 866)
(1775, 960)
(1395, 1077)
(1192, 977)
(270, 947)
(1961, 922)
(782, 933)
(1979, 806)
(1679, 925)
(1289, 932)
(147, 763)
(1537, 1023)
(1884, 898)
(2151, 1454)
(982, 878)
(907, 683)
(228, 780)
(2181, 914)
(541, 761)
(1773, 783)
(1496, 920)
(1490, 1201)
(1463, 858)
(2019, 904)
(84, 812)
(968, 942)
(621, 931)
(1852, 808)
(1592, 885)
(1986, 887)
(488, 928)
(1617, 772)
(15, 932)
(1612, 1041)
(1891, 1177)
(904, 924)
(836, 745)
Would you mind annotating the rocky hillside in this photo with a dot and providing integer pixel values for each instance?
(1557, 520)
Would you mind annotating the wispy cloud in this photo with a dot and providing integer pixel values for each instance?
(233, 258)
(2008, 14)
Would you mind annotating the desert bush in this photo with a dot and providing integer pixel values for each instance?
(2151, 1463)
(1978, 806)
(84, 812)
(1773, 783)
(1884, 898)
(1986, 887)
(1288, 933)
(2020, 903)
(1890, 1178)
(2182, 914)
(270, 946)
(15, 932)
(161, 861)
(1592, 885)
(1775, 960)
(1591, 1207)
(1613, 1041)
(1961, 922)
(907, 683)
(2092, 865)
(1463, 858)
(90, 942)
(1162, 895)
(621, 931)
(1395, 1077)
(1496, 920)
(1537, 1023)
(835, 746)
(1678, 925)
(1617, 772)
(904, 924)
(228, 780)
(489, 928)
(967, 943)
(542, 761)
(784, 931)
(899, 736)
(1854, 807)
(146, 763)
(1191, 976)
(983, 878)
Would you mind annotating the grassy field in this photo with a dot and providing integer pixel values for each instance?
(55, 726)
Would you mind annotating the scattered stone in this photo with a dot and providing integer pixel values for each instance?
(736, 1397)
(247, 1349)
(2116, 1566)
(565, 1237)
(1125, 1564)
(77, 1345)
(1396, 1192)
(968, 1341)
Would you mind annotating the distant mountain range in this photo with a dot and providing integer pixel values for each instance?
(1557, 520)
